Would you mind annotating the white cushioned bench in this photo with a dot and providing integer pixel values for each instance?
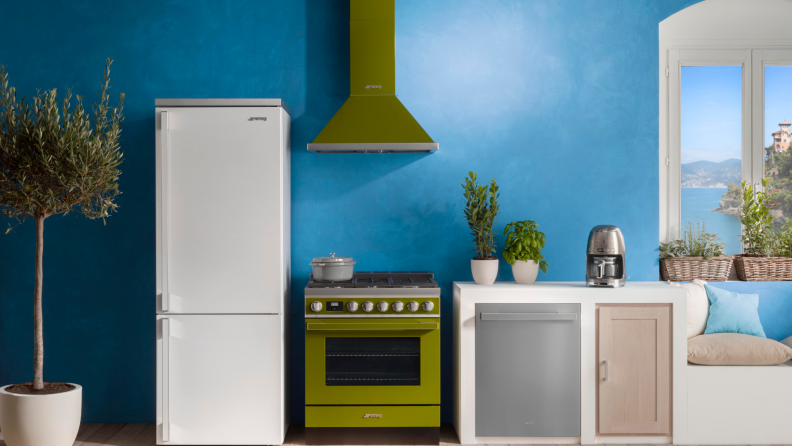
(739, 404)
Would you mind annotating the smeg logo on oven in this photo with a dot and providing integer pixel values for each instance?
(372, 415)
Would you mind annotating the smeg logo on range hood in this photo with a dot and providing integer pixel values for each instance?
(257, 118)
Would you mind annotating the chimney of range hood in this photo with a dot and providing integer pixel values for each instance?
(372, 120)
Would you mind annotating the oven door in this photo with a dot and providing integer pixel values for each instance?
(374, 362)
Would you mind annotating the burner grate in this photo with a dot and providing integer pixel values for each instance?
(382, 279)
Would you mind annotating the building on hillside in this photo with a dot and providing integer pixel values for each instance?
(782, 137)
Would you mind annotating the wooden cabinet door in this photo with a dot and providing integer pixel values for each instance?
(634, 370)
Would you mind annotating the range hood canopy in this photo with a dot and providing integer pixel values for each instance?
(372, 120)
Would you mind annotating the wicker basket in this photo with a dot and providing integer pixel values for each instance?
(763, 268)
(685, 269)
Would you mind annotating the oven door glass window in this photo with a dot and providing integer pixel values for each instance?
(373, 361)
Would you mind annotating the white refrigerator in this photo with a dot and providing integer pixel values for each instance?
(223, 275)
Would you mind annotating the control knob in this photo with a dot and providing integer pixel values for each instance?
(368, 306)
(413, 306)
(397, 306)
(382, 306)
(316, 306)
(352, 306)
(428, 305)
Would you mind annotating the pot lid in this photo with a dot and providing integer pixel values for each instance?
(332, 260)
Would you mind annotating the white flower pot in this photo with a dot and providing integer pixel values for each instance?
(40, 420)
(484, 270)
(525, 272)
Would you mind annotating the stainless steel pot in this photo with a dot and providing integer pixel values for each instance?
(333, 269)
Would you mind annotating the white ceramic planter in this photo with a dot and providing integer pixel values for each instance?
(525, 272)
(484, 271)
(40, 420)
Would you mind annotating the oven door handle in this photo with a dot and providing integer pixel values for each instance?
(321, 326)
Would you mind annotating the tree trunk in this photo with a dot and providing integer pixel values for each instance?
(38, 319)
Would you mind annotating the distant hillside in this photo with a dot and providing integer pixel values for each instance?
(711, 174)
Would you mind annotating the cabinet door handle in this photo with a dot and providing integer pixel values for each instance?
(165, 380)
(607, 373)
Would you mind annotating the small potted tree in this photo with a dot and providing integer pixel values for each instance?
(697, 255)
(766, 250)
(53, 160)
(481, 211)
(523, 251)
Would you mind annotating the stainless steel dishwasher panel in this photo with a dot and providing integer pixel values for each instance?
(528, 370)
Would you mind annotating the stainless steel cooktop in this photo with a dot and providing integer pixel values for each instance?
(382, 279)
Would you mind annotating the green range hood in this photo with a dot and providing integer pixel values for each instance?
(372, 120)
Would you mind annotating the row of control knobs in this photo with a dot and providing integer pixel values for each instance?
(368, 306)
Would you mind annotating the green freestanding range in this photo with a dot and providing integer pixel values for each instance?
(372, 360)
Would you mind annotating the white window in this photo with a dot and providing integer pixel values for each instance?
(725, 87)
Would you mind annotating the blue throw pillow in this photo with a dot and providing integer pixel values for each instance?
(733, 313)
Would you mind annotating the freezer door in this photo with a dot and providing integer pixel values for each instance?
(527, 370)
(220, 210)
(220, 380)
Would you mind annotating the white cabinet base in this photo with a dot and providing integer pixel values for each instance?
(468, 294)
(740, 405)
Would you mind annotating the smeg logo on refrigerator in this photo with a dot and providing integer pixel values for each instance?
(372, 415)
(257, 118)
(367, 87)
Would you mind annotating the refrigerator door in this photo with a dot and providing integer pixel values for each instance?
(528, 370)
(220, 210)
(219, 380)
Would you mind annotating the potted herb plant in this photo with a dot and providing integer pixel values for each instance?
(523, 251)
(766, 250)
(481, 211)
(697, 255)
(53, 160)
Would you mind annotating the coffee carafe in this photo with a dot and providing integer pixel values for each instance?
(605, 257)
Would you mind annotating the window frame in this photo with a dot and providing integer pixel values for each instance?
(753, 60)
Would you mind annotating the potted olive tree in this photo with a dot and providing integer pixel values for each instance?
(523, 251)
(481, 210)
(54, 159)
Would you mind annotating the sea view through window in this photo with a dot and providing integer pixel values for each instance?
(711, 131)
(711, 103)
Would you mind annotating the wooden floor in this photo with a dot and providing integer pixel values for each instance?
(145, 435)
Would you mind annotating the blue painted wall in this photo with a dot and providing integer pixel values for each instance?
(557, 101)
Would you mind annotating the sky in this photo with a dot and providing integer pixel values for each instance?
(711, 103)
(778, 92)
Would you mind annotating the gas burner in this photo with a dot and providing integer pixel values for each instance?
(381, 279)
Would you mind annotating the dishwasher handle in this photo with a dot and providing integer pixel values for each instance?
(322, 326)
(528, 316)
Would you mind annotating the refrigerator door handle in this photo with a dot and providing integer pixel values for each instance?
(165, 190)
(165, 379)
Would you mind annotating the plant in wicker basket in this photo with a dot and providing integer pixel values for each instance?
(767, 250)
(697, 255)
